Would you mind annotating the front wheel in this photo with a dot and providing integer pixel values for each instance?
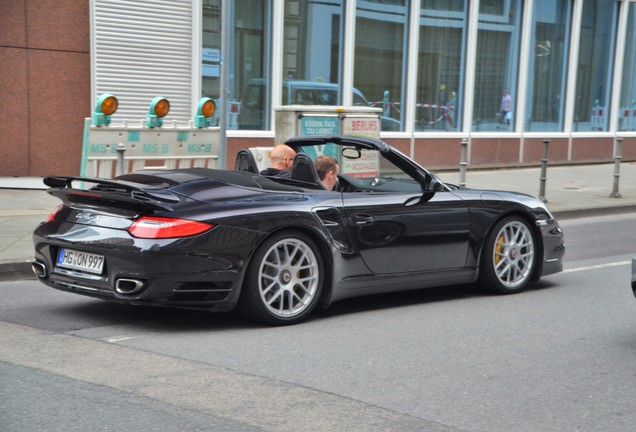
(284, 280)
(509, 256)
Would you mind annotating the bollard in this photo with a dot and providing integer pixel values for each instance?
(617, 167)
(121, 148)
(462, 162)
(544, 169)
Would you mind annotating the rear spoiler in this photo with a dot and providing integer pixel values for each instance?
(136, 195)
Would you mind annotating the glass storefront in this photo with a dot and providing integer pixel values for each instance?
(211, 48)
(440, 64)
(380, 57)
(627, 107)
(250, 62)
(547, 66)
(312, 51)
(594, 68)
(498, 40)
(389, 48)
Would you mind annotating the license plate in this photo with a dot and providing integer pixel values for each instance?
(78, 260)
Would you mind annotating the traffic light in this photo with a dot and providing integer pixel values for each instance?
(105, 107)
(205, 111)
(159, 108)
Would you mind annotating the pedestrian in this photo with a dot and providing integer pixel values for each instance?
(506, 102)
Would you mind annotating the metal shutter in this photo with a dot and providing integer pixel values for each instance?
(142, 49)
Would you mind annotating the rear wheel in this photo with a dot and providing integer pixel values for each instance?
(508, 259)
(284, 280)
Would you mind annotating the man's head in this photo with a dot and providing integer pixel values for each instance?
(327, 169)
(282, 157)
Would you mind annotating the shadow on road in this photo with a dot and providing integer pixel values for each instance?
(40, 307)
(414, 297)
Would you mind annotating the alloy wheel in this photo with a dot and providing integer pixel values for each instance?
(513, 254)
(288, 278)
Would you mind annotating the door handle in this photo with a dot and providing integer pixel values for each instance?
(362, 219)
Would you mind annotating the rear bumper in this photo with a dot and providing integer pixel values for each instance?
(209, 290)
(202, 272)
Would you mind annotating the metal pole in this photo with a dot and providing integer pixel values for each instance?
(463, 162)
(544, 169)
(121, 149)
(617, 167)
(223, 96)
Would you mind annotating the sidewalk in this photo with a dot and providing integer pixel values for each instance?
(570, 191)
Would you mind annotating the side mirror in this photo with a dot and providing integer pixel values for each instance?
(435, 185)
(430, 184)
(351, 153)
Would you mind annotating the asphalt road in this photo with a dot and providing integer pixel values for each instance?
(559, 357)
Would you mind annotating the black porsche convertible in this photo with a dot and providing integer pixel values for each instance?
(276, 247)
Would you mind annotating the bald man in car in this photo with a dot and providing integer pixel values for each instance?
(282, 157)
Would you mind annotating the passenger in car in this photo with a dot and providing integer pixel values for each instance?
(328, 170)
(282, 157)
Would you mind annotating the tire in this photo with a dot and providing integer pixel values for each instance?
(284, 280)
(509, 256)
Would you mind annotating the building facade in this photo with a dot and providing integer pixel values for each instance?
(502, 75)
(45, 85)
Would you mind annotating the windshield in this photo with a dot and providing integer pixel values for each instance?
(364, 169)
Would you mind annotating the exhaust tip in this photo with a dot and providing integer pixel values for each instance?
(127, 286)
(39, 269)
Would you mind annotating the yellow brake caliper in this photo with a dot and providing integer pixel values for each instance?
(499, 247)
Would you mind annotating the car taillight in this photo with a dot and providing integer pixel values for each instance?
(54, 213)
(162, 227)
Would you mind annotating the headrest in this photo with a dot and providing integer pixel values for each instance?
(304, 170)
(245, 162)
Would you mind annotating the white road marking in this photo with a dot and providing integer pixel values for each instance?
(116, 339)
(596, 267)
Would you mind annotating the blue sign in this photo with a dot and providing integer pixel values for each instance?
(319, 125)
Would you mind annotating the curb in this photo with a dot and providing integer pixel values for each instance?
(20, 269)
(590, 212)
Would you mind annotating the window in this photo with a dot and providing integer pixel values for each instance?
(327, 97)
(211, 49)
(380, 57)
(444, 5)
(594, 68)
(312, 41)
(249, 65)
(498, 41)
(545, 94)
(440, 65)
(493, 7)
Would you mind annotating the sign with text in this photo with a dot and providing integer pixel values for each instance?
(367, 126)
(158, 147)
(368, 165)
(320, 125)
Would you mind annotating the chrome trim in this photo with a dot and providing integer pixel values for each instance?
(72, 285)
(330, 224)
(39, 269)
(137, 286)
(78, 274)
